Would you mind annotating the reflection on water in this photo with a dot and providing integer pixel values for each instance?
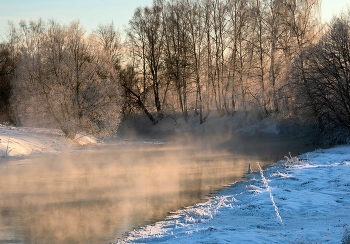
(94, 197)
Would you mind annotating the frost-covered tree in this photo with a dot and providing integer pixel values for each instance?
(64, 79)
(109, 38)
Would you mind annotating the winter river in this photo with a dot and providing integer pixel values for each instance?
(95, 195)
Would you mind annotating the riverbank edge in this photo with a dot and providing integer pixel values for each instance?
(312, 197)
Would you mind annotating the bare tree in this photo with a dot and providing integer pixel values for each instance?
(259, 46)
(147, 36)
(327, 76)
(155, 40)
(7, 67)
(136, 45)
(178, 50)
(65, 80)
(301, 28)
(234, 53)
(239, 14)
(111, 42)
(217, 33)
(132, 92)
(195, 20)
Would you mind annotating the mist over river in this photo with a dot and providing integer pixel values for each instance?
(96, 194)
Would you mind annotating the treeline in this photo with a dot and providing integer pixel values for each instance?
(216, 54)
(178, 56)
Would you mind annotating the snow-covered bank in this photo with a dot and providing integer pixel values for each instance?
(24, 141)
(312, 196)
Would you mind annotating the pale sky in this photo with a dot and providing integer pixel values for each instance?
(91, 13)
(333, 7)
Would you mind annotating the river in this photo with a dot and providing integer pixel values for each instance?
(96, 195)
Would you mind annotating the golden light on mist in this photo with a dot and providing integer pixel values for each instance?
(96, 196)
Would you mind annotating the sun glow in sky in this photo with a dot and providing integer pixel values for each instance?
(91, 13)
(333, 7)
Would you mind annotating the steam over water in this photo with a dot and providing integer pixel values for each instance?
(95, 196)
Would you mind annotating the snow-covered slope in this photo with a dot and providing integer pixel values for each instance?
(312, 196)
(22, 141)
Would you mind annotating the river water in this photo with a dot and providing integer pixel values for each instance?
(96, 195)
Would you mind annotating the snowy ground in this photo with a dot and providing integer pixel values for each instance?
(23, 141)
(312, 197)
